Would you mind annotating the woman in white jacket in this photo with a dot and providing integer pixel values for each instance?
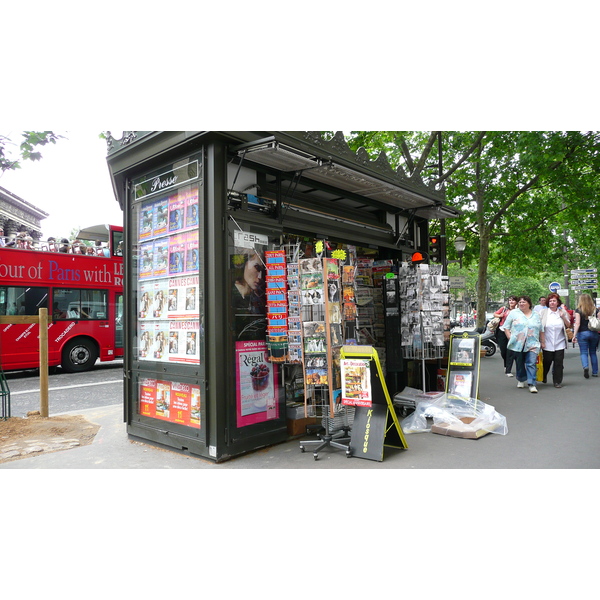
(555, 320)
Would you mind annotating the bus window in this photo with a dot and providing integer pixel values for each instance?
(80, 304)
(117, 243)
(22, 300)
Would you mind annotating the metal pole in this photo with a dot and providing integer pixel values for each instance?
(43, 320)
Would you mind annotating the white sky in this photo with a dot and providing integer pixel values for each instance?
(71, 182)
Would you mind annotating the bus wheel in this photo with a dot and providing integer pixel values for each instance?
(79, 355)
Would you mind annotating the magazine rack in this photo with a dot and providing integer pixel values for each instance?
(463, 365)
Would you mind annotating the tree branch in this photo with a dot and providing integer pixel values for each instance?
(405, 153)
(462, 159)
(421, 162)
(526, 187)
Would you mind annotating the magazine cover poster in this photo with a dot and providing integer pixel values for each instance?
(356, 382)
(192, 253)
(159, 301)
(146, 330)
(460, 383)
(161, 257)
(183, 294)
(181, 403)
(190, 198)
(176, 211)
(176, 254)
(160, 217)
(146, 295)
(146, 221)
(184, 346)
(148, 397)
(195, 415)
(146, 260)
(161, 339)
(173, 343)
(163, 399)
(256, 383)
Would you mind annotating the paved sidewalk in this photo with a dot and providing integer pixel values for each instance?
(554, 429)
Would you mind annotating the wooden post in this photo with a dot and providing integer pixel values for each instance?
(42, 321)
(43, 314)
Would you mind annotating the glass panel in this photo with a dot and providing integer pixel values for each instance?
(169, 278)
(257, 381)
(171, 401)
(167, 299)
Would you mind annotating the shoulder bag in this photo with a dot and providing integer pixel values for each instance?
(593, 323)
(493, 324)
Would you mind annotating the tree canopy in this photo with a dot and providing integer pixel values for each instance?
(527, 198)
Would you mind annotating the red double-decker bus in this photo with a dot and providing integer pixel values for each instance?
(82, 292)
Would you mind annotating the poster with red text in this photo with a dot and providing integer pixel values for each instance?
(256, 384)
(170, 401)
(148, 397)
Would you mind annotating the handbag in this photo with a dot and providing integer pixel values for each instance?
(593, 323)
(539, 366)
(493, 324)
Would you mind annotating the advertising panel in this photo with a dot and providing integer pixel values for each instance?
(256, 383)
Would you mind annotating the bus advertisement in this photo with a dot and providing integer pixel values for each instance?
(83, 293)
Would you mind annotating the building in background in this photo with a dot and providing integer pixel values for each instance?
(17, 215)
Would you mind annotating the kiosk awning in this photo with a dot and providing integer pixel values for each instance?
(357, 176)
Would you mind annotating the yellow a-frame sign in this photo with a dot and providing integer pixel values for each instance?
(377, 425)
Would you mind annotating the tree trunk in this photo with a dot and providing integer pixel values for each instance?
(484, 255)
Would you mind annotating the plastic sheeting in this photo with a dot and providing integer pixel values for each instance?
(449, 410)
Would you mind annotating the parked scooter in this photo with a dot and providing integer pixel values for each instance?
(488, 340)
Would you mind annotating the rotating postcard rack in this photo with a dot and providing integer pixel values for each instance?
(320, 331)
(423, 302)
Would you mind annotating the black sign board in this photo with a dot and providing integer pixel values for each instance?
(376, 426)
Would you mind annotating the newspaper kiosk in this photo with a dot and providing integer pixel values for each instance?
(215, 224)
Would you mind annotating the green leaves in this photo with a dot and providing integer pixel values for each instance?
(28, 149)
(34, 139)
(528, 198)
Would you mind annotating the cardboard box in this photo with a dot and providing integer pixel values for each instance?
(464, 429)
(295, 411)
(298, 426)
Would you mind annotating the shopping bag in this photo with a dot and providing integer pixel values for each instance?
(540, 366)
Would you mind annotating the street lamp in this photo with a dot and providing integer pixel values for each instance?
(460, 244)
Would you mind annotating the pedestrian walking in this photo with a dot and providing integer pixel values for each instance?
(507, 355)
(541, 305)
(525, 333)
(555, 320)
(587, 339)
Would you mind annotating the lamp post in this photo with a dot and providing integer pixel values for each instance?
(460, 244)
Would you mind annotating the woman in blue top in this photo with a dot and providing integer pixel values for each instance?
(525, 332)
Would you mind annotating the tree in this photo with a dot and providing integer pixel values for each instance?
(27, 148)
(518, 191)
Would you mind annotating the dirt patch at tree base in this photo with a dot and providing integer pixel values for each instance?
(21, 438)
